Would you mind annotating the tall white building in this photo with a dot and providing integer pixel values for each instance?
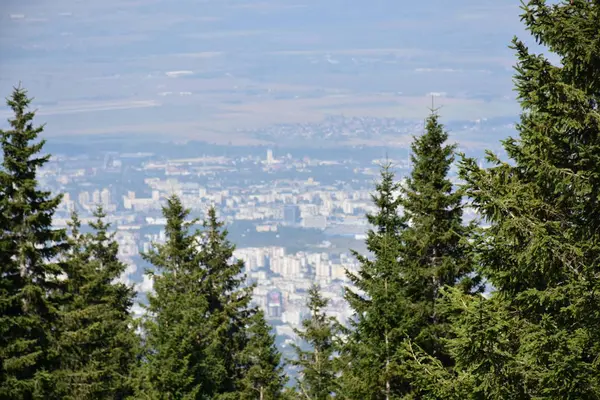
(105, 197)
(84, 198)
(96, 197)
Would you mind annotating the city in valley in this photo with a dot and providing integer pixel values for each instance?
(294, 213)
(305, 199)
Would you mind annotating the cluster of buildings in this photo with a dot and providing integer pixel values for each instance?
(267, 194)
(294, 202)
(340, 128)
(282, 281)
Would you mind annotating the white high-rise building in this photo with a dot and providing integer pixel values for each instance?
(105, 197)
(84, 198)
(323, 270)
(270, 159)
(96, 197)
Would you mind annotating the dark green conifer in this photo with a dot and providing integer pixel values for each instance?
(98, 344)
(436, 255)
(537, 336)
(318, 377)
(369, 368)
(240, 336)
(263, 377)
(228, 300)
(196, 329)
(176, 336)
(30, 284)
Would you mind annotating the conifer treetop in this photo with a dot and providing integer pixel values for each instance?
(30, 287)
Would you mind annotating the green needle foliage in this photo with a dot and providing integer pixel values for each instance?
(227, 299)
(318, 377)
(178, 362)
(537, 337)
(369, 368)
(263, 377)
(402, 324)
(98, 344)
(203, 340)
(30, 285)
(436, 254)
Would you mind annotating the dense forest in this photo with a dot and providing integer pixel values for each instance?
(423, 328)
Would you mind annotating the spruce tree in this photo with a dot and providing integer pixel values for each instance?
(30, 284)
(369, 368)
(227, 298)
(436, 254)
(263, 377)
(195, 332)
(177, 364)
(240, 336)
(318, 380)
(98, 344)
(537, 336)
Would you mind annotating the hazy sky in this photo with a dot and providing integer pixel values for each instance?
(111, 65)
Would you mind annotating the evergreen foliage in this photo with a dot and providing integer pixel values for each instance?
(537, 336)
(369, 368)
(178, 362)
(263, 377)
(401, 319)
(98, 344)
(436, 254)
(318, 377)
(202, 336)
(227, 299)
(30, 285)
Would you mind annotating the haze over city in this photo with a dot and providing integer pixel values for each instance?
(217, 70)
